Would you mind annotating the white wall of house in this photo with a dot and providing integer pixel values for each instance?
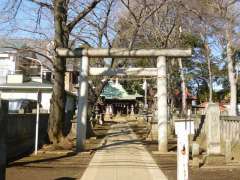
(7, 66)
(46, 97)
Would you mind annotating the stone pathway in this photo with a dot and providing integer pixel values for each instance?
(122, 157)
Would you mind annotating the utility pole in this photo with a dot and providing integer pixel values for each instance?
(39, 99)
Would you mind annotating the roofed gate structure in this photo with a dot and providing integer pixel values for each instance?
(160, 72)
(118, 101)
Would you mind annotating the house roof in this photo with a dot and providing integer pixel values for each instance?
(116, 91)
(31, 86)
(7, 50)
(187, 93)
(26, 85)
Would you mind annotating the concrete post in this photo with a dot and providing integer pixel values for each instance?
(82, 104)
(213, 129)
(228, 150)
(213, 135)
(182, 155)
(162, 104)
(195, 155)
(3, 128)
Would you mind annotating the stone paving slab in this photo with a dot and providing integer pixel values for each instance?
(122, 157)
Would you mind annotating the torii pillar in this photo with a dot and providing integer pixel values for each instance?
(162, 107)
(82, 104)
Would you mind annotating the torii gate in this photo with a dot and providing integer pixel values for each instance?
(160, 72)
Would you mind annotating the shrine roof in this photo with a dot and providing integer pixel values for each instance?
(114, 90)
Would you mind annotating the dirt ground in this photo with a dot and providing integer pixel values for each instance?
(49, 167)
(56, 165)
(66, 165)
(168, 162)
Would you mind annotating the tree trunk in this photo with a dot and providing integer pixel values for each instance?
(231, 74)
(183, 87)
(209, 72)
(57, 113)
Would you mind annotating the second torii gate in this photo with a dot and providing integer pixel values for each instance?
(160, 72)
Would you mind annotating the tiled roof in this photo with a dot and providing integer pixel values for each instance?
(27, 85)
(116, 91)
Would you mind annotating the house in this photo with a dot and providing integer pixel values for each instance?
(34, 64)
(16, 89)
(23, 72)
(26, 63)
(7, 63)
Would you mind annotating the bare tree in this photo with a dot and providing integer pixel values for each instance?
(65, 15)
(140, 12)
(159, 29)
(223, 17)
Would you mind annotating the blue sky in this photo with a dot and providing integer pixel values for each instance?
(25, 23)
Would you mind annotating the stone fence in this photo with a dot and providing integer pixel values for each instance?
(230, 128)
(21, 133)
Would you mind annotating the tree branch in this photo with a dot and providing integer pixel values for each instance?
(30, 50)
(33, 59)
(82, 14)
(152, 12)
(42, 4)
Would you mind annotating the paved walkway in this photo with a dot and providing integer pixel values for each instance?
(122, 157)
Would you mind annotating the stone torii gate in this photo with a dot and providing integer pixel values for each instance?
(160, 72)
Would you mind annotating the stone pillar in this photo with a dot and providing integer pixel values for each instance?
(132, 110)
(228, 150)
(162, 104)
(107, 113)
(82, 104)
(213, 129)
(195, 155)
(111, 110)
(127, 110)
(3, 133)
(118, 110)
(213, 135)
(108, 109)
(153, 135)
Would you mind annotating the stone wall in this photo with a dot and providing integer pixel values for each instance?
(21, 133)
(3, 124)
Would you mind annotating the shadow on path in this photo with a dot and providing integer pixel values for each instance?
(65, 178)
(42, 160)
